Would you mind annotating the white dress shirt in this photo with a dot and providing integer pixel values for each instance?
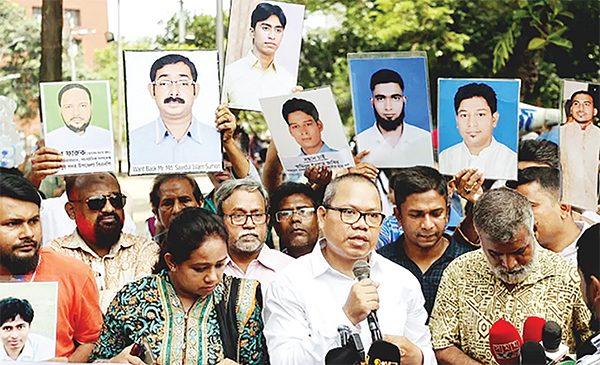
(496, 160)
(414, 147)
(303, 309)
(94, 138)
(570, 252)
(245, 82)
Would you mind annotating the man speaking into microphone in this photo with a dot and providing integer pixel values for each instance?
(318, 292)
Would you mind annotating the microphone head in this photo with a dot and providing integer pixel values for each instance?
(383, 352)
(551, 336)
(532, 329)
(505, 343)
(532, 353)
(361, 269)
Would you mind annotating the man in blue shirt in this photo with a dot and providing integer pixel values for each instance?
(176, 136)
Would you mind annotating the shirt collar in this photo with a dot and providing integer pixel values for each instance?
(78, 243)
(265, 258)
(254, 63)
(162, 132)
(486, 151)
(320, 265)
(406, 137)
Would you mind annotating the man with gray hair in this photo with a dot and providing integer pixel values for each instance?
(243, 205)
(511, 277)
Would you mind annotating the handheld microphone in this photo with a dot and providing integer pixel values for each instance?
(383, 353)
(551, 337)
(505, 343)
(532, 329)
(362, 271)
(532, 353)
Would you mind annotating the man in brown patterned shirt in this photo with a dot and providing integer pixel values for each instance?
(511, 277)
(96, 204)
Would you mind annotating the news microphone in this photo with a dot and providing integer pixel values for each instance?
(532, 329)
(344, 332)
(551, 337)
(505, 343)
(532, 353)
(362, 271)
(383, 353)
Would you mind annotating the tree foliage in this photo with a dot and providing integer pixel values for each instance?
(20, 47)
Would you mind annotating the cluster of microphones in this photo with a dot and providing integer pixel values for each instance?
(539, 345)
(352, 350)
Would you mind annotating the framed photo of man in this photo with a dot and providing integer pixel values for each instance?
(263, 51)
(29, 317)
(307, 130)
(390, 98)
(171, 99)
(76, 120)
(478, 126)
(580, 143)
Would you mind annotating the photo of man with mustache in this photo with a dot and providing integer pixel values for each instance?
(176, 136)
(75, 104)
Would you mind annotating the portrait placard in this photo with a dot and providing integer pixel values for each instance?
(392, 113)
(478, 126)
(307, 130)
(171, 99)
(580, 143)
(30, 331)
(263, 51)
(76, 120)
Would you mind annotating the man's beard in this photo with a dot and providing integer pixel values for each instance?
(108, 234)
(247, 241)
(79, 129)
(515, 275)
(19, 265)
(389, 124)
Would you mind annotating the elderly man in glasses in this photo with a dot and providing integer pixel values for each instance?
(116, 258)
(313, 296)
(243, 204)
(293, 214)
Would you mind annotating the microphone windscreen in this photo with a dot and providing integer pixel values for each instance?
(532, 353)
(342, 356)
(551, 336)
(361, 269)
(532, 329)
(505, 343)
(385, 353)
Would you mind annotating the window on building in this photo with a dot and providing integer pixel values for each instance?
(72, 17)
(37, 13)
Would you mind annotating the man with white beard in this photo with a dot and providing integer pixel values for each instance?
(243, 205)
(510, 277)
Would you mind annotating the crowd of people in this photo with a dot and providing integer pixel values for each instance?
(252, 276)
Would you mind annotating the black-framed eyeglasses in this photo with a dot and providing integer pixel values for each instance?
(98, 202)
(239, 219)
(286, 214)
(351, 216)
(163, 83)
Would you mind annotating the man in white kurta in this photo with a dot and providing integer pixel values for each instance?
(314, 295)
(580, 153)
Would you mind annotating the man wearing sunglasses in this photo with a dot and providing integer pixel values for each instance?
(243, 205)
(176, 136)
(293, 213)
(313, 296)
(116, 258)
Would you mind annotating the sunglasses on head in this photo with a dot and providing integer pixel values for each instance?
(98, 202)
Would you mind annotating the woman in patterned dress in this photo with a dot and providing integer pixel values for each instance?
(188, 312)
